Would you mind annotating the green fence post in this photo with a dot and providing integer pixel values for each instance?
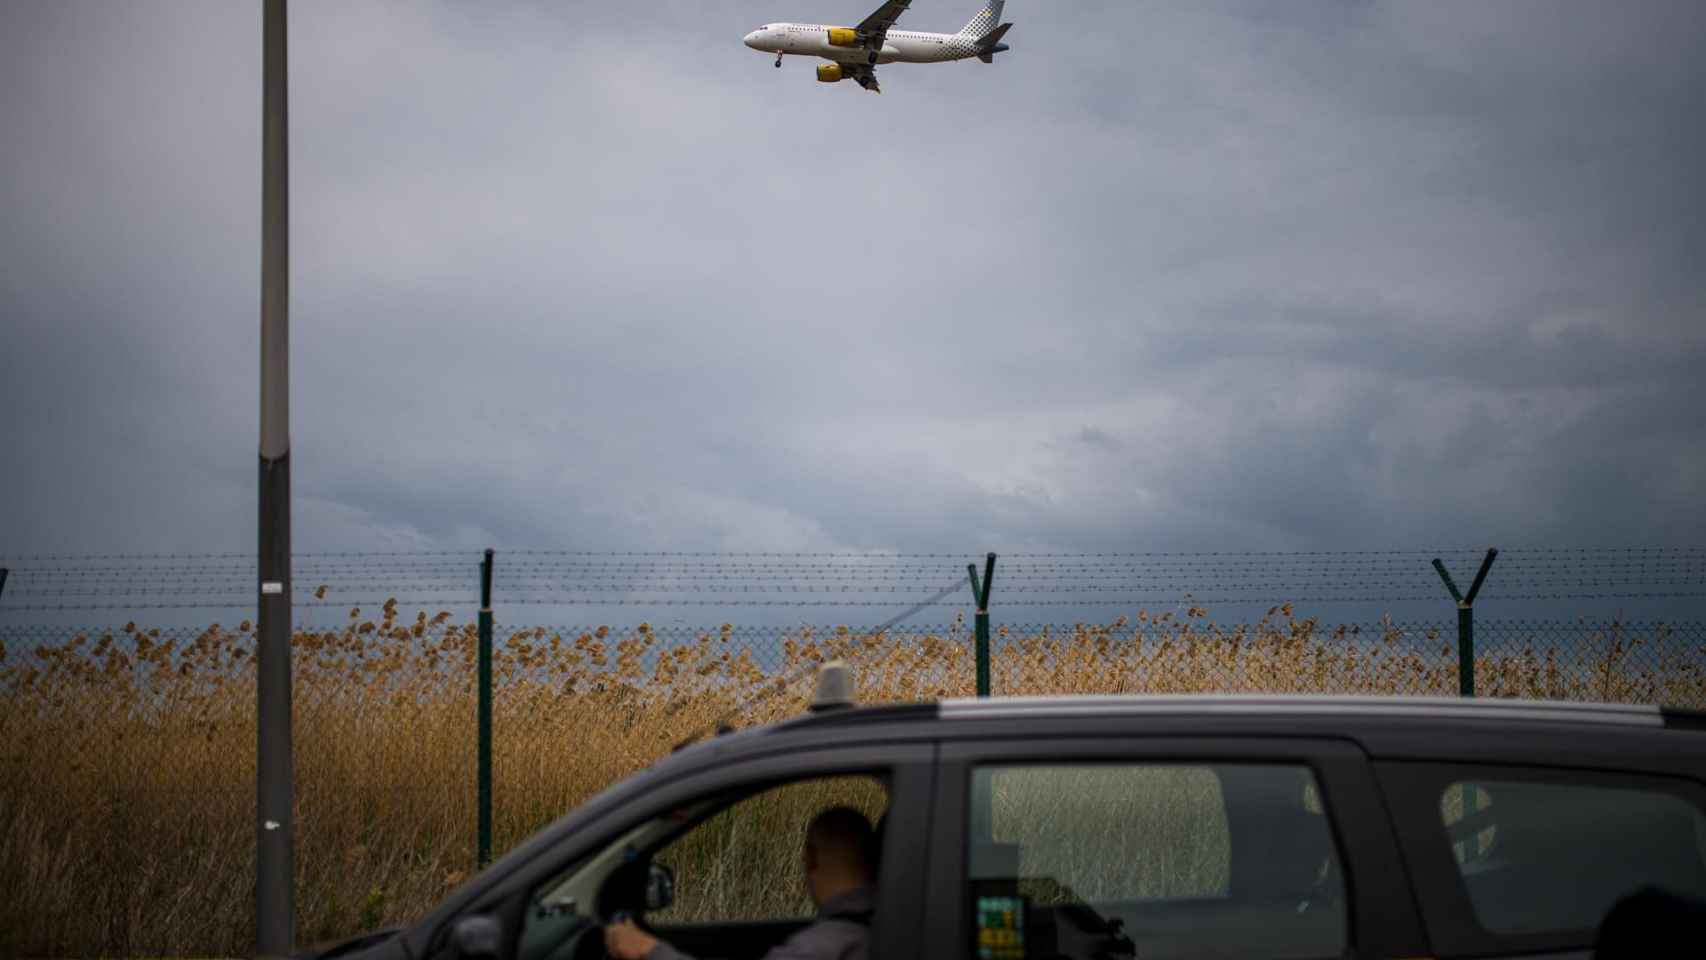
(1465, 650)
(981, 593)
(982, 811)
(1466, 621)
(484, 776)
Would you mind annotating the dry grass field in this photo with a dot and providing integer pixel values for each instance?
(127, 796)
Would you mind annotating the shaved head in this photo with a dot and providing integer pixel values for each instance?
(839, 843)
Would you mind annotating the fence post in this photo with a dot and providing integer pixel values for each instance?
(981, 620)
(982, 800)
(484, 801)
(3, 573)
(1466, 621)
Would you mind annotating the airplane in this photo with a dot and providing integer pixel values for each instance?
(855, 52)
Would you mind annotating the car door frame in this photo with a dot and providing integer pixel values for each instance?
(1383, 917)
(898, 918)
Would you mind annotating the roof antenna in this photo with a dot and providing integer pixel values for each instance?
(834, 688)
(840, 691)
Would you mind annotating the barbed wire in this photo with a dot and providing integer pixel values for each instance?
(1011, 573)
(506, 629)
(447, 579)
(1169, 560)
(1010, 602)
(722, 567)
(961, 557)
(1203, 581)
(1013, 593)
(1012, 590)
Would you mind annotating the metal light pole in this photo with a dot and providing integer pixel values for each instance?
(483, 773)
(275, 907)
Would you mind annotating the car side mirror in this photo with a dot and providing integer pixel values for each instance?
(660, 887)
(478, 937)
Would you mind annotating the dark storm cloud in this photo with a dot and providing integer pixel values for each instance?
(1167, 277)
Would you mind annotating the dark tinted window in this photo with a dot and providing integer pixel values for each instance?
(1538, 857)
(1175, 860)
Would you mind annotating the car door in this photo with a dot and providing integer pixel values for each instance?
(1122, 845)
(1528, 859)
(537, 923)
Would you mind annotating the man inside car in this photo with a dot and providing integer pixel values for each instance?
(837, 860)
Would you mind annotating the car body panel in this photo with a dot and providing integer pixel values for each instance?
(1345, 739)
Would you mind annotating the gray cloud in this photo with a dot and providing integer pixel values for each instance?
(595, 276)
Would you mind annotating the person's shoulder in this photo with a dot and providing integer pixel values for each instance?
(829, 937)
(861, 900)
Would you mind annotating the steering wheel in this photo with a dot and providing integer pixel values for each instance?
(587, 942)
(620, 898)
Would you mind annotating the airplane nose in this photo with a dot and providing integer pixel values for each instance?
(752, 39)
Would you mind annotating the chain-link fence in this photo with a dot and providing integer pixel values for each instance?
(1614, 661)
(393, 610)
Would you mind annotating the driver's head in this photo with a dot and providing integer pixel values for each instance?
(837, 855)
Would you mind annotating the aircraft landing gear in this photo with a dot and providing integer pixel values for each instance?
(778, 60)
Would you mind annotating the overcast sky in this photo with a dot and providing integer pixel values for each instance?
(1167, 276)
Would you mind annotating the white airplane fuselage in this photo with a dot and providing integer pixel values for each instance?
(900, 46)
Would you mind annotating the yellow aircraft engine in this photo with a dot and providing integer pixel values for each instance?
(830, 73)
(843, 36)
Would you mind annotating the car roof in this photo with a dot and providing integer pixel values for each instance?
(1632, 737)
(1354, 711)
(1301, 705)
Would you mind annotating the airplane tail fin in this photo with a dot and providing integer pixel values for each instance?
(986, 20)
(990, 43)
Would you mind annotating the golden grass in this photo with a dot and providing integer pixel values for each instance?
(127, 799)
(1087, 825)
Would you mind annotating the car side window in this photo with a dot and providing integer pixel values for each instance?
(1152, 860)
(743, 864)
(1538, 856)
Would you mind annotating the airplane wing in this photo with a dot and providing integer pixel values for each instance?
(863, 74)
(875, 28)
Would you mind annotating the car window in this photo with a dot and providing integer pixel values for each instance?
(1156, 860)
(740, 863)
(1539, 857)
(743, 864)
